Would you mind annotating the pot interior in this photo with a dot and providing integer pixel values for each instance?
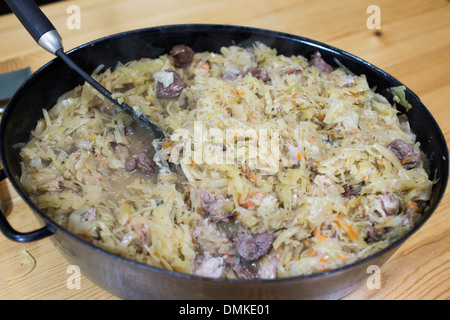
(44, 87)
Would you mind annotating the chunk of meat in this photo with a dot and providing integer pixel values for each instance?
(89, 215)
(405, 153)
(172, 90)
(350, 191)
(413, 211)
(182, 55)
(210, 238)
(229, 76)
(243, 269)
(319, 63)
(218, 209)
(268, 268)
(72, 150)
(258, 73)
(84, 223)
(130, 164)
(142, 162)
(210, 267)
(207, 198)
(372, 235)
(148, 166)
(390, 203)
(252, 247)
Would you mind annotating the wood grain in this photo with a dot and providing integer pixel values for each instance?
(414, 47)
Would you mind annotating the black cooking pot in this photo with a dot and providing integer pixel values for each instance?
(131, 280)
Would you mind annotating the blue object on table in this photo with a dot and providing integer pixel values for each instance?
(11, 81)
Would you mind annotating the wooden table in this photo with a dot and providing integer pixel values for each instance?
(413, 45)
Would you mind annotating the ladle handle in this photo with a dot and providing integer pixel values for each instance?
(37, 24)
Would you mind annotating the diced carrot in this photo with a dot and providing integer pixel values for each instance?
(239, 93)
(250, 177)
(87, 234)
(406, 160)
(318, 162)
(248, 204)
(351, 231)
(316, 231)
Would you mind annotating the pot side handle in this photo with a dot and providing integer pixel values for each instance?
(12, 234)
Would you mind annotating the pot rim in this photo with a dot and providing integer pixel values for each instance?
(200, 27)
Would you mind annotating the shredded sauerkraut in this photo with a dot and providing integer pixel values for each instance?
(345, 179)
